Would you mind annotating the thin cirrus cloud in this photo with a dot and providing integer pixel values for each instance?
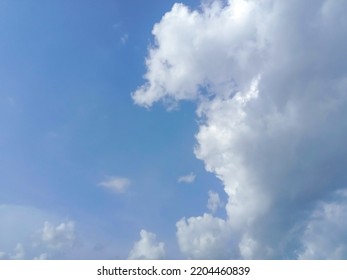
(272, 122)
(116, 184)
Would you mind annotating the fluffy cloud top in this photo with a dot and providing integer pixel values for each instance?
(116, 184)
(60, 236)
(190, 178)
(31, 233)
(147, 247)
(270, 84)
(204, 237)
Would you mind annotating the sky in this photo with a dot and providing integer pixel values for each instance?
(161, 130)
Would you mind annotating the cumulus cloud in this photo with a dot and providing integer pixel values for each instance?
(147, 247)
(32, 233)
(270, 85)
(59, 236)
(189, 178)
(116, 184)
(204, 237)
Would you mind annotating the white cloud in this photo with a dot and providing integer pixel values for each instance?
(270, 85)
(204, 237)
(147, 247)
(58, 237)
(116, 184)
(180, 64)
(32, 233)
(189, 178)
(214, 201)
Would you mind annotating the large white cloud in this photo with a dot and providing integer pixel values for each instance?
(270, 83)
(147, 247)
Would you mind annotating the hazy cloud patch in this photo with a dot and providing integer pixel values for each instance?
(188, 179)
(116, 184)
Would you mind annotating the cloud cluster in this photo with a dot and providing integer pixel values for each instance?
(270, 84)
(30, 233)
(147, 247)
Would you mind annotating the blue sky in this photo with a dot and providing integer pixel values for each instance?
(149, 129)
(68, 121)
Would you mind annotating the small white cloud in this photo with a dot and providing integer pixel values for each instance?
(214, 201)
(147, 247)
(58, 237)
(190, 178)
(116, 184)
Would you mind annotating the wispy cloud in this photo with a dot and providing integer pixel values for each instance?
(188, 179)
(124, 39)
(213, 202)
(116, 184)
